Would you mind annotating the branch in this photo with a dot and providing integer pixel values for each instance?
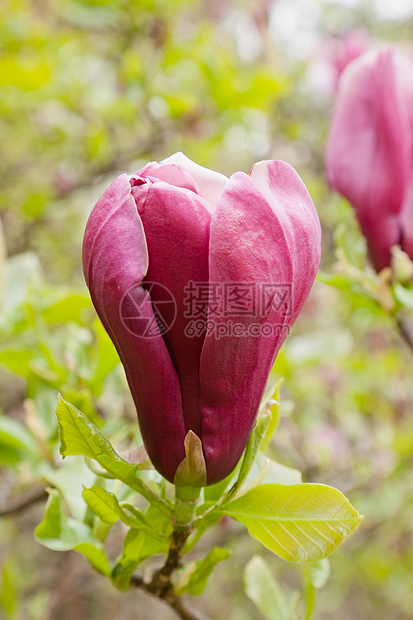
(405, 327)
(18, 504)
(161, 585)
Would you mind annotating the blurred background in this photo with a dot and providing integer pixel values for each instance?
(93, 88)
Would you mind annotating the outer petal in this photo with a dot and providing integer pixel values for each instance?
(115, 260)
(177, 224)
(369, 150)
(404, 65)
(210, 183)
(264, 231)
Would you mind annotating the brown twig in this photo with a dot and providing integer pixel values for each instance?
(405, 327)
(17, 504)
(161, 585)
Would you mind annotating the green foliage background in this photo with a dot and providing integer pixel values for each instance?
(91, 88)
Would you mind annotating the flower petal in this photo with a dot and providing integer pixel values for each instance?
(177, 223)
(265, 232)
(115, 261)
(210, 183)
(170, 173)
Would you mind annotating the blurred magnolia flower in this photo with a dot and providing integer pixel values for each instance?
(163, 250)
(369, 156)
(347, 48)
(331, 58)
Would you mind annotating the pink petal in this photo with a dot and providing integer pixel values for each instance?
(170, 173)
(264, 231)
(177, 223)
(348, 48)
(115, 261)
(210, 183)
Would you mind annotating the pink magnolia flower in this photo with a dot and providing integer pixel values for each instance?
(347, 48)
(369, 154)
(175, 228)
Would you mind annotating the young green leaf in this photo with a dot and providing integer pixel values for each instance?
(104, 504)
(273, 410)
(107, 508)
(261, 587)
(138, 546)
(59, 532)
(195, 577)
(69, 308)
(300, 523)
(79, 436)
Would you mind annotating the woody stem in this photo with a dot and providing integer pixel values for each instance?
(161, 585)
(405, 327)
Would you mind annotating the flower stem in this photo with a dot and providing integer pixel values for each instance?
(186, 499)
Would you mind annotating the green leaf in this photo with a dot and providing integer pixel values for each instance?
(138, 546)
(95, 555)
(104, 504)
(59, 532)
(8, 587)
(18, 361)
(273, 410)
(79, 436)
(257, 435)
(69, 308)
(195, 577)
(300, 523)
(261, 587)
(107, 508)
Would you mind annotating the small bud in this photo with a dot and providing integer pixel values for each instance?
(191, 472)
(401, 265)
